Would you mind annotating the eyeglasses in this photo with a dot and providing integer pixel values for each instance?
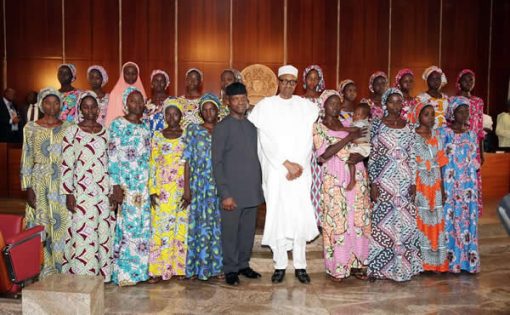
(288, 82)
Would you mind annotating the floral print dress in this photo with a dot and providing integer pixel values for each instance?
(346, 214)
(69, 110)
(129, 153)
(205, 257)
(169, 221)
(461, 206)
(40, 171)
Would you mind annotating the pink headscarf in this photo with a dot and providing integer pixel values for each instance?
(115, 106)
(374, 76)
(401, 73)
(461, 74)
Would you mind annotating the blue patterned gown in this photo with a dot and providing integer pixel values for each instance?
(205, 258)
(129, 152)
(394, 248)
(461, 206)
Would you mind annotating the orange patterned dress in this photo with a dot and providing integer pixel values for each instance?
(430, 220)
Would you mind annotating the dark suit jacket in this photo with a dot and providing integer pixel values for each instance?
(235, 162)
(6, 133)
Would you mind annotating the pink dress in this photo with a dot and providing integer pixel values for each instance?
(346, 214)
(476, 125)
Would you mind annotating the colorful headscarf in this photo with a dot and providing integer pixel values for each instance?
(431, 70)
(115, 106)
(159, 71)
(374, 76)
(417, 110)
(343, 84)
(196, 70)
(461, 74)
(325, 95)
(83, 95)
(322, 84)
(130, 90)
(71, 67)
(453, 103)
(401, 73)
(178, 103)
(102, 71)
(43, 93)
(238, 77)
(209, 98)
(386, 96)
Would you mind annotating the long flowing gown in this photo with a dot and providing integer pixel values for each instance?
(129, 153)
(346, 214)
(205, 257)
(395, 246)
(430, 157)
(169, 221)
(40, 170)
(85, 175)
(461, 206)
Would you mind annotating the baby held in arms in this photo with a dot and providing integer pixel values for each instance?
(360, 145)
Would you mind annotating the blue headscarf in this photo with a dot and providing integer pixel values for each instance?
(209, 98)
(386, 96)
(125, 95)
(453, 103)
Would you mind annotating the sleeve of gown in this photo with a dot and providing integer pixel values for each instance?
(268, 147)
(442, 159)
(318, 141)
(413, 164)
(153, 180)
(219, 140)
(68, 161)
(187, 153)
(473, 155)
(113, 153)
(374, 166)
(27, 157)
(480, 133)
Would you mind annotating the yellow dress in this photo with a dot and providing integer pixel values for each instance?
(169, 223)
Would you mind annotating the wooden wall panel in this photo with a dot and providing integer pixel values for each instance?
(204, 40)
(92, 37)
(135, 42)
(311, 39)
(161, 38)
(465, 42)
(34, 49)
(364, 31)
(2, 51)
(500, 69)
(258, 33)
(414, 38)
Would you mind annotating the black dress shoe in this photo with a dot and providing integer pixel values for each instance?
(232, 278)
(278, 275)
(249, 273)
(302, 276)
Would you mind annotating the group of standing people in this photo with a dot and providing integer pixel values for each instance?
(138, 189)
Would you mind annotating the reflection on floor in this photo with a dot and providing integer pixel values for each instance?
(486, 293)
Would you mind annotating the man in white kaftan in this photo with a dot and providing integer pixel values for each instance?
(284, 124)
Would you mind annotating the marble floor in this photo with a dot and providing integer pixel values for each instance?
(486, 293)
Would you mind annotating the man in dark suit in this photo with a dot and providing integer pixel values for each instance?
(30, 110)
(239, 182)
(10, 120)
